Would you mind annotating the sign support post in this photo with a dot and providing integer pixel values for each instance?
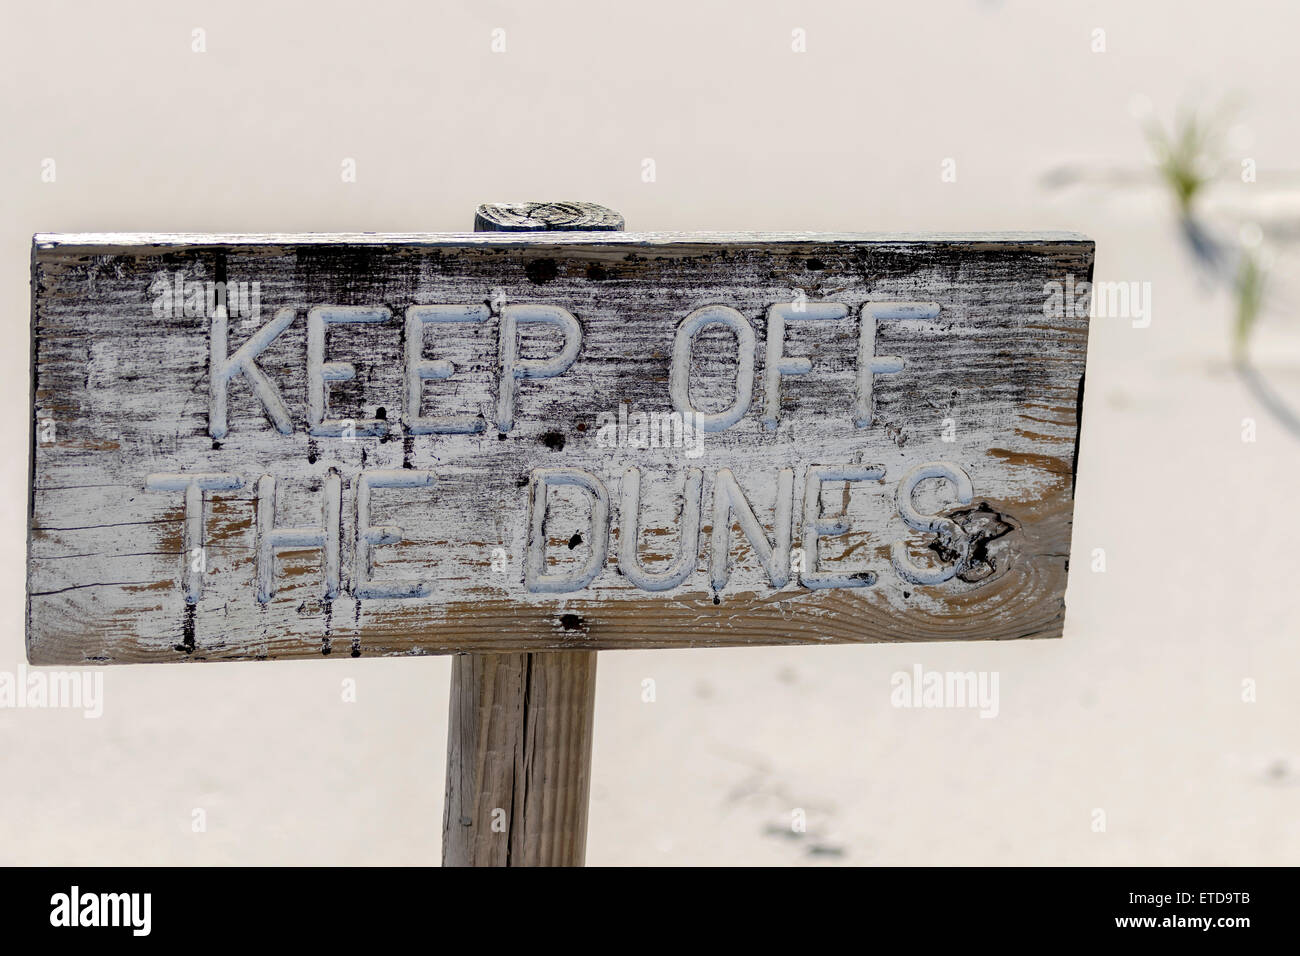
(520, 725)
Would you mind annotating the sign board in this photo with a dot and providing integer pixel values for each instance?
(258, 447)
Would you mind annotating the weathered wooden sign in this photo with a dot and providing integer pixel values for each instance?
(293, 446)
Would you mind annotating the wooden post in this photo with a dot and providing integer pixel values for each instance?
(519, 759)
(520, 725)
(546, 217)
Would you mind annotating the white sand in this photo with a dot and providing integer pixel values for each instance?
(1138, 711)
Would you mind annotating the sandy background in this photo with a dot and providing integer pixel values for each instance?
(1138, 711)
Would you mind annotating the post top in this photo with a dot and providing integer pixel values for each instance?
(546, 217)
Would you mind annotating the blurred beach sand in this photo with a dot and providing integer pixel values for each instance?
(1137, 712)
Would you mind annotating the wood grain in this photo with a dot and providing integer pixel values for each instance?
(546, 217)
(519, 756)
(520, 728)
(128, 394)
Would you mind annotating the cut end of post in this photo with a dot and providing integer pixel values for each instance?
(546, 217)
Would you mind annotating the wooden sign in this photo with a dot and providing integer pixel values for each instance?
(251, 447)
